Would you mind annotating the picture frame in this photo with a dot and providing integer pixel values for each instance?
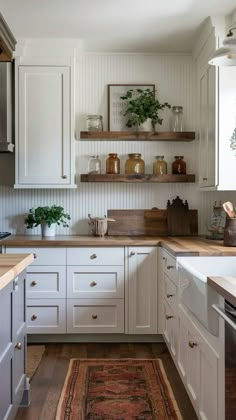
(116, 106)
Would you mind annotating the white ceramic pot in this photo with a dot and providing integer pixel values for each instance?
(48, 230)
(146, 125)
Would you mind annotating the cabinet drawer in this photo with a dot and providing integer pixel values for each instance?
(95, 282)
(46, 316)
(43, 256)
(169, 266)
(170, 293)
(46, 282)
(95, 316)
(95, 256)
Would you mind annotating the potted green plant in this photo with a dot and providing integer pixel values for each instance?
(141, 106)
(48, 218)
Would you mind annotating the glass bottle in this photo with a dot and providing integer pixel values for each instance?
(94, 123)
(179, 165)
(112, 164)
(135, 164)
(94, 165)
(176, 122)
(159, 166)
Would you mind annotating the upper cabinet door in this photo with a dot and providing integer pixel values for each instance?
(44, 127)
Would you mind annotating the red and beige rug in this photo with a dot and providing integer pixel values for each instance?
(125, 389)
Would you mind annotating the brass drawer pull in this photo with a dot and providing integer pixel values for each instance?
(192, 344)
(93, 257)
(94, 316)
(169, 295)
(132, 254)
(169, 267)
(64, 176)
(93, 283)
(34, 317)
(35, 255)
(169, 316)
(33, 283)
(18, 346)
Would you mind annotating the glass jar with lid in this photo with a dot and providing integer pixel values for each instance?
(176, 121)
(112, 164)
(159, 166)
(179, 165)
(94, 165)
(94, 123)
(135, 164)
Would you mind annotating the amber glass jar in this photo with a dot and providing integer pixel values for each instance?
(112, 164)
(179, 165)
(159, 166)
(135, 164)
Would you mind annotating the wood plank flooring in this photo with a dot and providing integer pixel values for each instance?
(46, 385)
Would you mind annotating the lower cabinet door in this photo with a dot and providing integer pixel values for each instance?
(95, 316)
(6, 397)
(170, 329)
(46, 316)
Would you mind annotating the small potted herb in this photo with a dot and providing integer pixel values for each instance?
(141, 106)
(48, 218)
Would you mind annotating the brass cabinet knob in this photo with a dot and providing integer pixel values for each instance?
(93, 257)
(64, 176)
(18, 346)
(132, 254)
(164, 258)
(169, 267)
(93, 283)
(35, 255)
(192, 344)
(169, 316)
(204, 179)
(34, 317)
(94, 316)
(169, 295)
(33, 283)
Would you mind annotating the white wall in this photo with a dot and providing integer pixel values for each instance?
(174, 77)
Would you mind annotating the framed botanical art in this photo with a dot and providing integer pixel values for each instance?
(117, 106)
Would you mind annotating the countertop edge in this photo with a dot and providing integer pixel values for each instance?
(225, 286)
(11, 265)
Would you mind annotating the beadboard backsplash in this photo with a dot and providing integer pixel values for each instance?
(174, 77)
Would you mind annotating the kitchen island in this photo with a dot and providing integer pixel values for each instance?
(14, 388)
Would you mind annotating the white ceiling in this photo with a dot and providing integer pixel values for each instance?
(114, 25)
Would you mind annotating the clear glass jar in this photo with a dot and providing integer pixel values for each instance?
(135, 164)
(176, 121)
(94, 123)
(159, 166)
(179, 165)
(112, 164)
(94, 165)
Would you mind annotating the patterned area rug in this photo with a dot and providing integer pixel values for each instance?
(125, 389)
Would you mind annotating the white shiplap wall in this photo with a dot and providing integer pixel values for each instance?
(174, 77)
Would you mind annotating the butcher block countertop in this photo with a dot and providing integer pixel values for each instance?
(181, 245)
(11, 265)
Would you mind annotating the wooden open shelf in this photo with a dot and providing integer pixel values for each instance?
(136, 178)
(142, 135)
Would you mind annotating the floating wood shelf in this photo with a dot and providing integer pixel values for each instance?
(136, 178)
(133, 135)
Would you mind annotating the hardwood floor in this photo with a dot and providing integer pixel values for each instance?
(47, 383)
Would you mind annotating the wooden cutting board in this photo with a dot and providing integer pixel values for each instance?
(145, 222)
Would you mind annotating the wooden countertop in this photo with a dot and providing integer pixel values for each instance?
(11, 265)
(177, 246)
(225, 286)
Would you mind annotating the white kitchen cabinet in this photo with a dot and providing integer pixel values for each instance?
(14, 388)
(45, 290)
(216, 90)
(44, 129)
(142, 278)
(198, 365)
(95, 290)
